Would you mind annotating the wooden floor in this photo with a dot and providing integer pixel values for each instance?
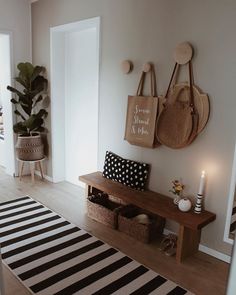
(201, 274)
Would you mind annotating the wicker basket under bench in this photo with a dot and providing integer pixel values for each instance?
(114, 215)
(106, 215)
(145, 233)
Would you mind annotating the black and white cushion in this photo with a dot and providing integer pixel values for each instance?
(127, 172)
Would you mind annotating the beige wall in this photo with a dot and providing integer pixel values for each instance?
(148, 30)
(15, 18)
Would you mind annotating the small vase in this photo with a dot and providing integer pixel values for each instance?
(176, 200)
(184, 205)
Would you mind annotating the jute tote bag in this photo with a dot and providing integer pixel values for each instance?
(141, 115)
(178, 122)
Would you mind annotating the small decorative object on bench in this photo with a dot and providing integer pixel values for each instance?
(177, 190)
(101, 209)
(184, 205)
(132, 222)
(127, 172)
(198, 206)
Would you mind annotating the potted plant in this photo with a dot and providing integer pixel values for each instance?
(33, 87)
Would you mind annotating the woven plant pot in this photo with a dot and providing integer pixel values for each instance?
(30, 148)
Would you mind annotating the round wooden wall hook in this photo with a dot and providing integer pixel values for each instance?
(126, 66)
(183, 53)
(147, 67)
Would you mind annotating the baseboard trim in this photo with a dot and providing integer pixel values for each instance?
(48, 178)
(214, 253)
(207, 250)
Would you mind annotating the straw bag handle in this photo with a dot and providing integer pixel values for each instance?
(152, 83)
(171, 79)
(176, 67)
(140, 85)
(191, 102)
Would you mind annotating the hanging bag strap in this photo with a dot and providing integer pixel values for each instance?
(176, 67)
(139, 91)
(153, 82)
(191, 97)
(153, 85)
(191, 101)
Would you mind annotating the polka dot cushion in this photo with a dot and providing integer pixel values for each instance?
(127, 172)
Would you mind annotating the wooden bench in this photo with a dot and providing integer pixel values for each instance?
(190, 223)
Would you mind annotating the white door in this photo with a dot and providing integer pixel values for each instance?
(74, 99)
(81, 104)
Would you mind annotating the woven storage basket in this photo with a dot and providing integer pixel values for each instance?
(117, 200)
(107, 216)
(141, 232)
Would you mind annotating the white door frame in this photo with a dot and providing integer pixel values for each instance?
(9, 120)
(58, 166)
(232, 189)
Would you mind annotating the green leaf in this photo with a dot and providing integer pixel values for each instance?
(41, 129)
(19, 114)
(14, 90)
(37, 71)
(39, 84)
(39, 98)
(26, 70)
(36, 124)
(41, 113)
(14, 101)
(33, 123)
(26, 105)
(21, 81)
(20, 128)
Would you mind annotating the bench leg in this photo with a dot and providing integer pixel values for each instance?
(188, 242)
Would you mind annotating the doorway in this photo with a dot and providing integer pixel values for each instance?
(74, 95)
(7, 153)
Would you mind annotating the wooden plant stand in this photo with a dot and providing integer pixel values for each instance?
(32, 165)
(190, 224)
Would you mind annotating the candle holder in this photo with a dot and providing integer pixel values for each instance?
(198, 206)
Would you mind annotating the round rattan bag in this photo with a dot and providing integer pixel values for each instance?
(201, 102)
(176, 125)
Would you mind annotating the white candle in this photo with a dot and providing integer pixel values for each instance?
(202, 183)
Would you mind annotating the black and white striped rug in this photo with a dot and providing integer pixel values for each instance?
(52, 256)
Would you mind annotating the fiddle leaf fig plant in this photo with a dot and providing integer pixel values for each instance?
(33, 87)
